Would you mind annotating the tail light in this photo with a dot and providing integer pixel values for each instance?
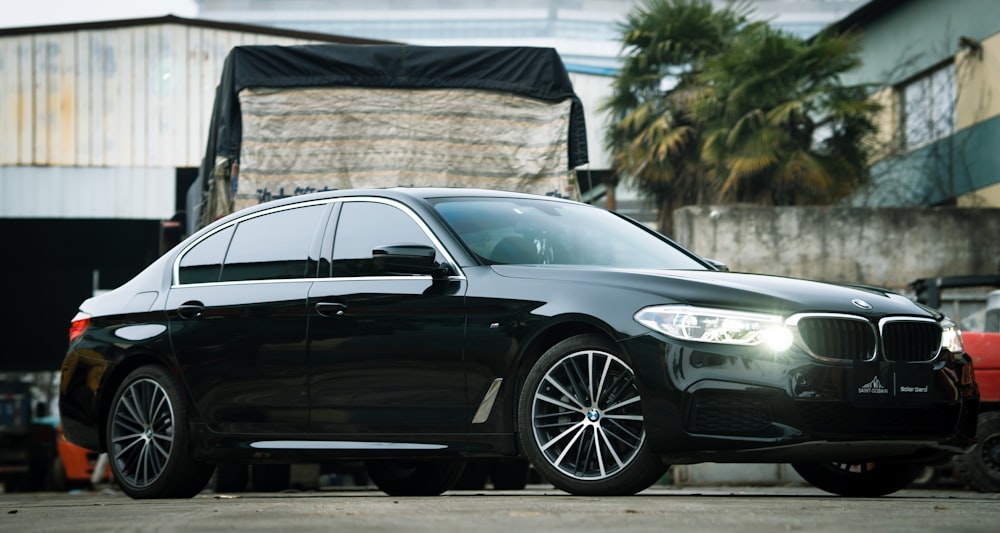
(79, 324)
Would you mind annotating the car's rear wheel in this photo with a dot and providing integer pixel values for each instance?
(416, 477)
(868, 479)
(980, 468)
(581, 422)
(148, 439)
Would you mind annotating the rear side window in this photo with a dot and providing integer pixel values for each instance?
(274, 246)
(203, 262)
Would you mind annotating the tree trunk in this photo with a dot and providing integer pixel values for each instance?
(612, 204)
(665, 216)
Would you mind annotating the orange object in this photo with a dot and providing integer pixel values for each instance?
(984, 348)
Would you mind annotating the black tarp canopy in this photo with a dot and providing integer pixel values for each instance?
(536, 73)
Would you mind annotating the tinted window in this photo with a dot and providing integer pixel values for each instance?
(364, 226)
(274, 246)
(203, 263)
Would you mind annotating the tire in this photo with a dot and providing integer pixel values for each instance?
(509, 475)
(230, 477)
(270, 478)
(415, 478)
(867, 480)
(580, 421)
(980, 468)
(149, 441)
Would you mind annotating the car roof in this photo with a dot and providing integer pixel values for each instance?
(397, 193)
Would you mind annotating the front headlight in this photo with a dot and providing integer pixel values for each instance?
(951, 337)
(718, 326)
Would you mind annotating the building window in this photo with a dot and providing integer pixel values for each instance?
(927, 107)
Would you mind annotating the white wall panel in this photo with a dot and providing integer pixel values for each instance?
(79, 192)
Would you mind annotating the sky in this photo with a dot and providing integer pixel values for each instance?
(17, 13)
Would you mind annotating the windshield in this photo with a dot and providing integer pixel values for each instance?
(516, 231)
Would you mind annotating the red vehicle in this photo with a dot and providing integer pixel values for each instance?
(980, 468)
(73, 466)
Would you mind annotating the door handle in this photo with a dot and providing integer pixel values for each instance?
(330, 309)
(190, 310)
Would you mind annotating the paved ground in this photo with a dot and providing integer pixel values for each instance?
(729, 509)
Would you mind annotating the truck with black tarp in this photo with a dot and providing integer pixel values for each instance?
(296, 119)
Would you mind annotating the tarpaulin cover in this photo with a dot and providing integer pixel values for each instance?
(298, 117)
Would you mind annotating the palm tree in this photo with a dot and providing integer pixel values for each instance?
(712, 107)
(655, 140)
(780, 129)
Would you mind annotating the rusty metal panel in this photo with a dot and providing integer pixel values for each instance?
(135, 96)
(16, 128)
(140, 96)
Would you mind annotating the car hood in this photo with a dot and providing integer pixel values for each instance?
(730, 290)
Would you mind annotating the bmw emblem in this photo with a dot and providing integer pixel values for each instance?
(594, 415)
(861, 304)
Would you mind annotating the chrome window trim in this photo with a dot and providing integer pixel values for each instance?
(341, 445)
(175, 274)
(793, 323)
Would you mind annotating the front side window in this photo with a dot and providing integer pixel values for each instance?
(274, 246)
(364, 226)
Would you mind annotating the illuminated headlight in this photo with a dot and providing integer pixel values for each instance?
(717, 326)
(951, 337)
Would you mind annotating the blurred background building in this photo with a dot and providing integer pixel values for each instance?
(583, 31)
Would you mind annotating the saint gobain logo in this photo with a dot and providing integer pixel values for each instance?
(873, 387)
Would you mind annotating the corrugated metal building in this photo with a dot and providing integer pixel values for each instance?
(102, 129)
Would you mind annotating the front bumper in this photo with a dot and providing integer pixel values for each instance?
(728, 406)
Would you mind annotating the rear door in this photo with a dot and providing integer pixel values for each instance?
(238, 320)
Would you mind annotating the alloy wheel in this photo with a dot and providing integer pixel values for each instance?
(587, 417)
(142, 432)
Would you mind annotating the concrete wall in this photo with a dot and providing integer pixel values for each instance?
(887, 247)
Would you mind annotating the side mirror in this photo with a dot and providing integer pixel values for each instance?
(405, 259)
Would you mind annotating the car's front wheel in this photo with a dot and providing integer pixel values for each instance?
(581, 423)
(416, 477)
(148, 439)
(868, 479)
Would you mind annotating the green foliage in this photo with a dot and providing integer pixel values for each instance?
(710, 106)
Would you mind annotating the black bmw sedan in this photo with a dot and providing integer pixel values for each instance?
(418, 329)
